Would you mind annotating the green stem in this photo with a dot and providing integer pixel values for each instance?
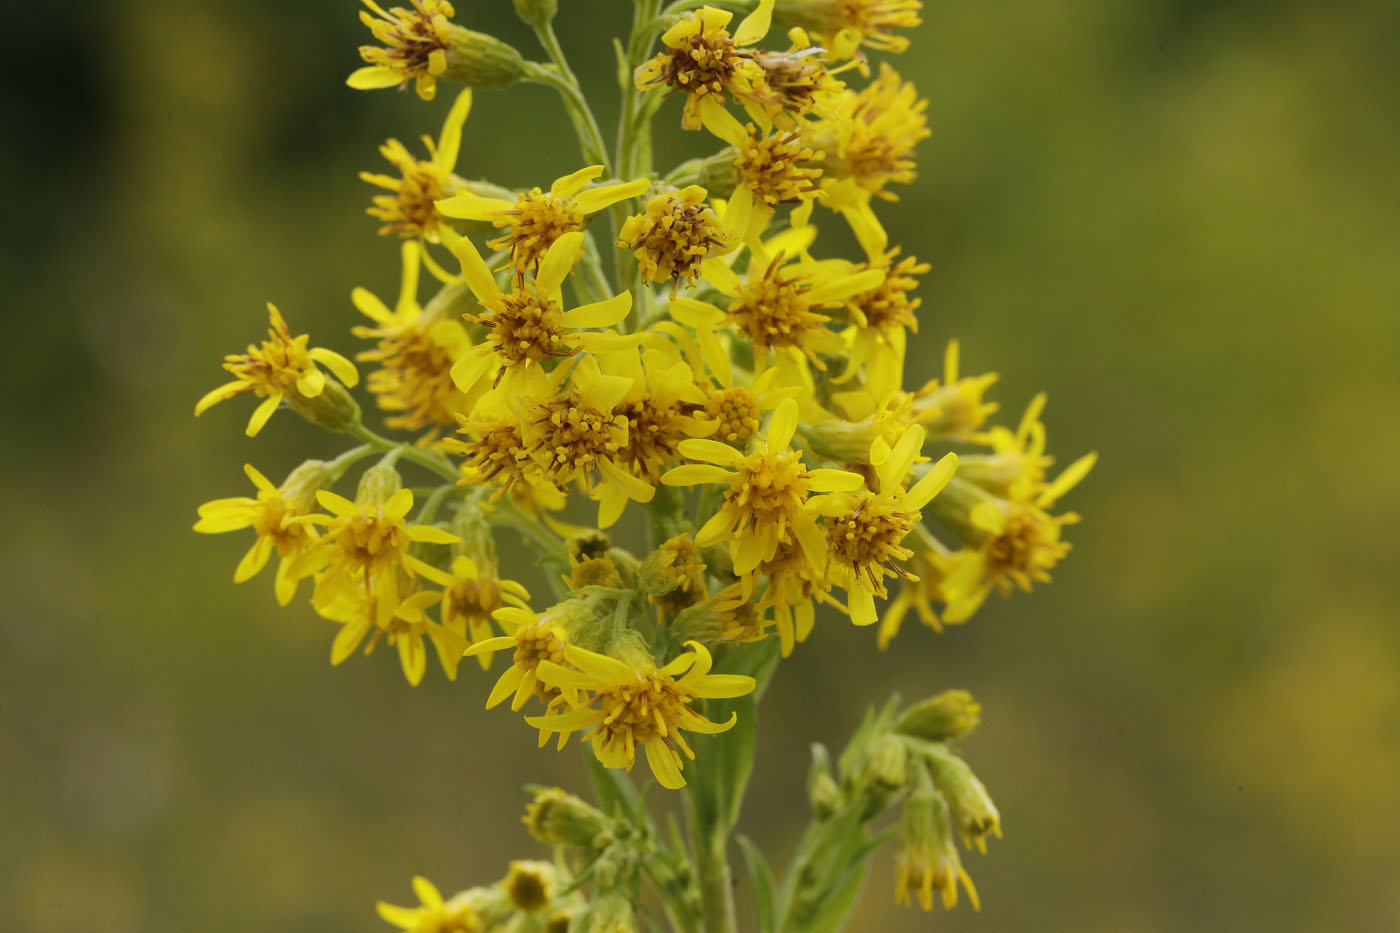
(634, 148)
(428, 459)
(710, 842)
(339, 465)
(563, 80)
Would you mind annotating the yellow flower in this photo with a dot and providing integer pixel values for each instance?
(765, 493)
(705, 61)
(409, 209)
(364, 547)
(535, 639)
(492, 442)
(775, 306)
(1017, 466)
(865, 529)
(474, 594)
(773, 169)
(795, 581)
(673, 235)
(435, 915)
(661, 408)
(880, 317)
(933, 568)
(530, 885)
(640, 705)
(584, 429)
(954, 408)
(405, 630)
(871, 136)
(842, 26)
(270, 516)
(415, 41)
(926, 859)
(416, 353)
(537, 219)
(1011, 542)
(279, 366)
(529, 326)
(798, 81)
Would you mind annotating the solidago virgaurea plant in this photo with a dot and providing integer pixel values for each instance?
(671, 342)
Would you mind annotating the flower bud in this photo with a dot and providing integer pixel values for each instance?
(531, 885)
(559, 818)
(333, 408)
(972, 806)
(377, 484)
(481, 60)
(299, 488)
(950, 715)
(536, 13)
(926, 859)
(611, 913)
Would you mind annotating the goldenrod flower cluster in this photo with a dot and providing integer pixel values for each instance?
(674, 346)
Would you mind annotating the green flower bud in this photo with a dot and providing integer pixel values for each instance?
(481, 60)
(377, 484)
(333, 408)
(559, 818)
(951, 714)
(537, 13)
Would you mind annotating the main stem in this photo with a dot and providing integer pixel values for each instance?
(711, 844)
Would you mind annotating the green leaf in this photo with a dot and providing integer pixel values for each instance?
(763, 887)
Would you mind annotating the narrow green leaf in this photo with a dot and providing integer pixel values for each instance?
(763, 886)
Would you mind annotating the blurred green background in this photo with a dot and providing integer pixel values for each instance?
(1180, 218)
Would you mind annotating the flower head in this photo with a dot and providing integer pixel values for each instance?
(871, 134)
(843, 26)
(409, 209)
(270, 516)
(778, 304)
(765, 492)
(675, 233)
(413, 46)
(416, 351)
(536, 219)
(638, 705)
(364, 546)
(528, 326)
(534, 639)
(434, 915)
(282, 366)
(865, 529)
(705, 61)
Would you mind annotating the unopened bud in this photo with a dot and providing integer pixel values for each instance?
(333, 408)
(611, 913)
(559, 818)
(299, 488)
(377, 484)
(973, 809)
(950, 715)
(536, 13)
(481, 60)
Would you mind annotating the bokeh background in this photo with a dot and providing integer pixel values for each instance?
(1180, 218)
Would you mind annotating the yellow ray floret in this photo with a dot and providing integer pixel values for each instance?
(634, 706)
(416, 351)
(414, 46)
(536, 219)
(704, 61)
(409, 209)
(280, 365)
(528, 326)
(765, 491)
(270, 516)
